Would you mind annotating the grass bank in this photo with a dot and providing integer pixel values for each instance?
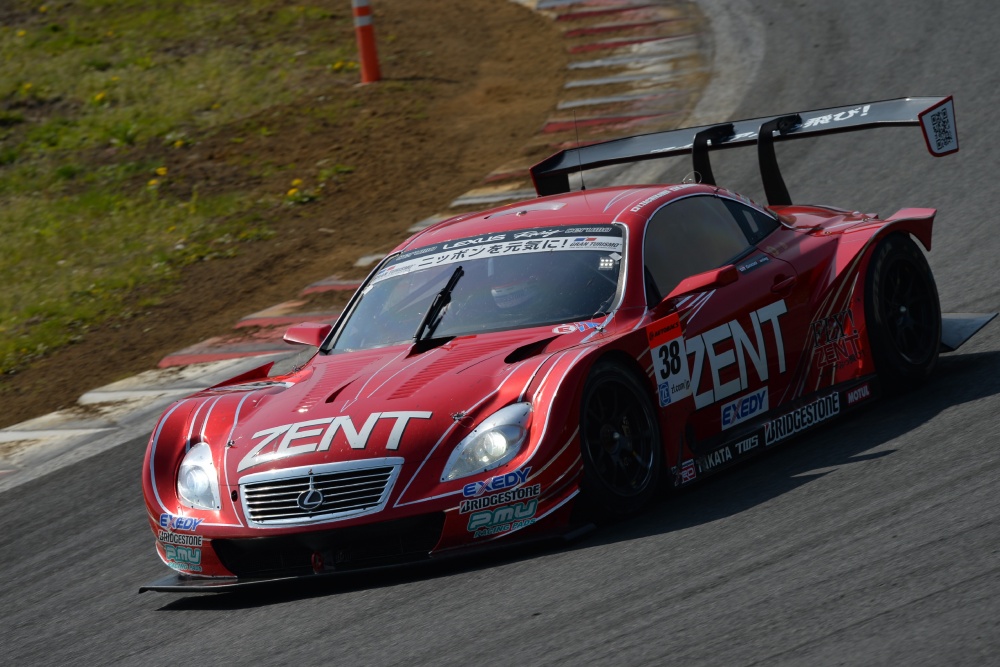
(98, 98)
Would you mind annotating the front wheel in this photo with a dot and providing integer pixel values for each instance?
(903, 312)
(620, 442)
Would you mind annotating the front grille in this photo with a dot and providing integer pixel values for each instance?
(313, 494)
(392, 542)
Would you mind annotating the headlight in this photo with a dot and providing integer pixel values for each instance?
(197, 482)
(493, 443)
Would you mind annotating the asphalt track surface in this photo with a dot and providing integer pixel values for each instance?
(875, 541)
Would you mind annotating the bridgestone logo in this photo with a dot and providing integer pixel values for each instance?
(805, 417)
(166, 537)
(486, 502)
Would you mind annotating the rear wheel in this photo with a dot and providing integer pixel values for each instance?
(903, 312)
(620, 442)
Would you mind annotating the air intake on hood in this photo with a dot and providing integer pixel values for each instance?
(529, 350)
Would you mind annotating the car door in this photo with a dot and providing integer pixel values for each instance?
(742, 340)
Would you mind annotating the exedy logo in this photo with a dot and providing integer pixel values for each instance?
(497, 483)
(173, 522)
(744, 407)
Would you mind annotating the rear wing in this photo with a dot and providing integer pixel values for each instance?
(934, 115)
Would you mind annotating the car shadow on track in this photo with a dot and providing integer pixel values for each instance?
(958, 379)
(265, 594)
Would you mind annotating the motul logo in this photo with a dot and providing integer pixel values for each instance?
(859, 394)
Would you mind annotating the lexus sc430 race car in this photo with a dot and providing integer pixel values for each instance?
(516, 373)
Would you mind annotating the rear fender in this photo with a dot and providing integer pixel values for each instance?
(841, 290)
(853, 254)
(918, 222)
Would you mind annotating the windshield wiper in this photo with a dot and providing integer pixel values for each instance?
(435, 313)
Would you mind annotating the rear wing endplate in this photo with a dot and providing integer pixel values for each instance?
(934, 115)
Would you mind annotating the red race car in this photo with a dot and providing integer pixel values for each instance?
(513, 374)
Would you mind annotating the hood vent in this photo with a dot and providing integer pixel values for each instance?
(452, 356)
(331, 378)
(529, 350)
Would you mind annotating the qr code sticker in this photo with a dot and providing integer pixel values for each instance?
(938, 124)
(941, 125)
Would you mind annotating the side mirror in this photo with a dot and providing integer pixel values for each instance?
(308, 333)
(702, 282)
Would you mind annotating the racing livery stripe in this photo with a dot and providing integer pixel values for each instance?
(152, 453)
(534, 374)
(225, 453)
(375, 373)
(191, 425)
(708, 295)
(437, 444)
(619, 197)
(208, 415)
(554, 457)
(537, 397)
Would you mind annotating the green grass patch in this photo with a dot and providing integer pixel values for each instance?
(96, 96)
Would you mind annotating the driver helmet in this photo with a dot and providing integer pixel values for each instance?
(513, 285)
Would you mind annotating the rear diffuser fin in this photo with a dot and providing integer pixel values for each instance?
(956, 328)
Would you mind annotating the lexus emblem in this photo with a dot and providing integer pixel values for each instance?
(310, 499)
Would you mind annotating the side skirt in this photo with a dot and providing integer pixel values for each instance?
(776, 427)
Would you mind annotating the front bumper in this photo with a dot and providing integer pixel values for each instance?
(369, 545)
(182, 583)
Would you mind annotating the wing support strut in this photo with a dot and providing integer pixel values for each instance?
(770, 173)
(699, 150)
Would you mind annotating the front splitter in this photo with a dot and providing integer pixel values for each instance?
(179, 583)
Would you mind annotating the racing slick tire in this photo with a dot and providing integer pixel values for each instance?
(619, 441)
(903, 313)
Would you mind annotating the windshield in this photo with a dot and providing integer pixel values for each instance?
(509, 280)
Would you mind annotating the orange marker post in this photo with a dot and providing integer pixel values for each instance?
(365, 33)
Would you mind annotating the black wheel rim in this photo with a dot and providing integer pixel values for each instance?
(618, 438)
(909, 311)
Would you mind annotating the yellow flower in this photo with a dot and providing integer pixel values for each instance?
(178, 143)
(26, 87)
(21, 33)
(292, 192)
(297, 182)
(153, 183)
(161, 171)
(99, 97)
(43, 9)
